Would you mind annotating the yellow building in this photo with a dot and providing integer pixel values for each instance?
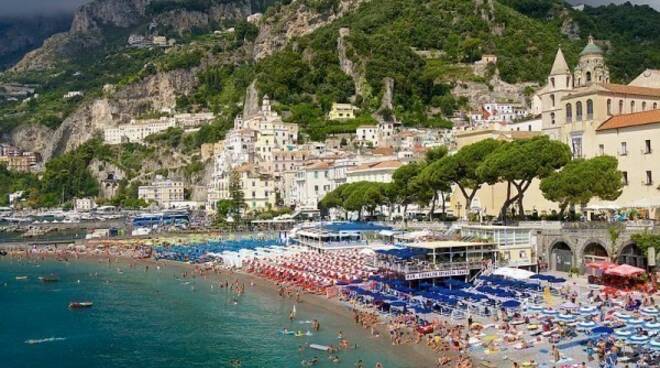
(634, 139)
(342, 111)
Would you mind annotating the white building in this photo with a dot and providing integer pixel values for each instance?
(84, 204)
(495, 112)
(137, 130)
(531, 125)
(380, 172)
(162, 191)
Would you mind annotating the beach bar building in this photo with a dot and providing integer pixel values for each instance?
(335, 236)
(437, 259)
(516, 245)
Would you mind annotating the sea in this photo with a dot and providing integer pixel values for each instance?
(156, 318)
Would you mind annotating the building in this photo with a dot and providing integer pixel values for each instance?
(527, 125)
(17, 160)
(162, 191)
(137, 130)
(188, 120)
(259, 189)
(516, 246)
(342, 111)
(495, 112)
(72, 94)
(634, 139)
(366, 134)
(380, 172)
(84, 204)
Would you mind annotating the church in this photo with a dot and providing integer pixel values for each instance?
(583, 109)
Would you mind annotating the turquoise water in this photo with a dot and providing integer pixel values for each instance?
(154, 319)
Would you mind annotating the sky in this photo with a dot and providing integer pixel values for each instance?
(34, 7)
(653, 3)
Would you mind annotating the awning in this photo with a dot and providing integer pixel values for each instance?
(624, 270)
(513, 273)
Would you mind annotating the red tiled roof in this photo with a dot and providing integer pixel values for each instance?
(632, 90)
(631, 120)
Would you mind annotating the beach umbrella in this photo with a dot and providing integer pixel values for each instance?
(567, 317)
(622, 332)
(511, 304)
(638, 339)
(623, 316)
(652, 326)
(655, 344)
(649, 311)
(602, 330)
(535, 307)
(588, 310)
(635, 322)
(549, 312)
(585, 325)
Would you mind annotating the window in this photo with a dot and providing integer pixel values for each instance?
(529, 128)
(647, 146)
(552, 81)
(590, 109)
(624, 177)
(253, 183)
(568, 82)
(552, 118)
(578, 111)
(655, 105)
(609, 106)
(588, 77)
(316, 188)
(649, 178)
(601, 149)
(552, 100)
(316, 174)
(621, 107)
(632, 106)
(624, 149)
(254, 194)
(576, 145)
(569, 113)
(643, 105)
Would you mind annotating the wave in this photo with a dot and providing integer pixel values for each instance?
(47, 339)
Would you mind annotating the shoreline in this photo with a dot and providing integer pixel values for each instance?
(418, 354)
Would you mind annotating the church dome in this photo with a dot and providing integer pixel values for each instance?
(591, 48)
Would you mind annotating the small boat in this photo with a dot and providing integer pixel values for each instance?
(21, 277)
(80, 305)
(49, 278)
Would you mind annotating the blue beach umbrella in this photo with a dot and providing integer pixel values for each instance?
(655, 344)
(511, 304)
(638, 339)
(602, 330)
(622, 332)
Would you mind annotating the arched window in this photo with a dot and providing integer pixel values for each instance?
(588, 77)
(632, 106)
(552, 118)
(579, 81)
(568, 82)
(590, 109)
(620, 106)
(643, 105)
(655, 105)
(552, 100)
(609, 106)
(578, 111)
(552, 81)
(569, 113)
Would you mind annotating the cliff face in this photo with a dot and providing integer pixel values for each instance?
(153, 93)
(118, 13)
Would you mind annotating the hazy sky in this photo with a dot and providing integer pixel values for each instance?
(29, 7)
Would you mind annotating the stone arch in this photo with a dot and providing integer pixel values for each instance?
(561, 256)
(593, 251)
(631, 254)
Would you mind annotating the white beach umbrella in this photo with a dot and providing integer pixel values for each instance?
(535, 307)
(649, 311)
(635, 322)
(566, 317)
(550, 312)
(652, 326)
(638, 339)
(586, 325)
(588, 310)
(622, 332)
(622, 316)
(655, 344)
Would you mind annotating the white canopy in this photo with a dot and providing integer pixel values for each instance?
(513, 273)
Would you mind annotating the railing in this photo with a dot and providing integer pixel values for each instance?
(426, 267)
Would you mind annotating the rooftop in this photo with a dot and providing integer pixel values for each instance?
(591, 48)
(391, 164)
(443, 244)
(631, 120)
